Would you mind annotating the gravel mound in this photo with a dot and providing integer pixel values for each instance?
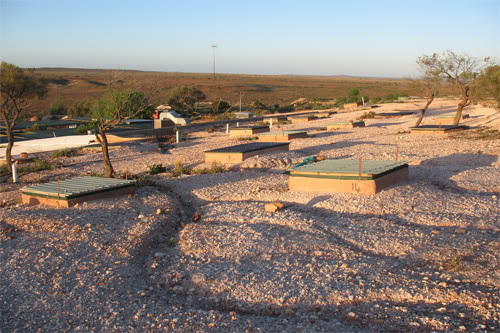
(198, 253)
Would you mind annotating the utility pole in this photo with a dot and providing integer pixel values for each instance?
(214, 105)
(214, 46)
(240, 100)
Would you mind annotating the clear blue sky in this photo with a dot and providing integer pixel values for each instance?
(367, 38)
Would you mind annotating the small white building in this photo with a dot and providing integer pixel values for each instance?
(174, 117)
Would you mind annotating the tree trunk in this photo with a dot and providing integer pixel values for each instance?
(103, 140)
(422, 112)
(461, 105)
(10, 144)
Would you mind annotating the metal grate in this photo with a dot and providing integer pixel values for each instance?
(369, 168)
(76, 187)
(279, 133)
(247, 128)
(437, 127)
(248, 147)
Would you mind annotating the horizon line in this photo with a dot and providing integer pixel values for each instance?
(211, 73)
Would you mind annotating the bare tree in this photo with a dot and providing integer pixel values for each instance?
(459, 70)
(18, 88)
(428, 86)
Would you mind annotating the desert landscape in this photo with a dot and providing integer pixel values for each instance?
(250, 166)
(194, 249)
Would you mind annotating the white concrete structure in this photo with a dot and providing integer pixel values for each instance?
(175, 117)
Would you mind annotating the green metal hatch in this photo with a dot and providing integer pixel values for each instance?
(279, 133)
(348, 169)
(76, 187)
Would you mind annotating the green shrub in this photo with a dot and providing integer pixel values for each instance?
(80, 109)
(156, 169)
(285, 109)
(84, 128)
(35, 128)
(4, 170)
(248, 139)
(179, 169)
(261, 112)
(225, 116)
(41, 164)
(57, 109)
(214, 168)
(353, 92)
(65, 152)
(368, 115)
(37, 165)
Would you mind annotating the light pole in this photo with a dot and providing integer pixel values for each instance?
(214, 46)
(241, 94)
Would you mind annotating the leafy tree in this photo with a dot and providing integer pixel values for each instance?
(80, 108)
(109, 111)
(220, 105)
(18, 88)
(353, 93)
(459, 70)
(183, 99)
(487, 84)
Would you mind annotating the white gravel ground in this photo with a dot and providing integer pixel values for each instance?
(420, 256)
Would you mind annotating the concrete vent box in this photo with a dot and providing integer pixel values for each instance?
(247, 130)
(69, 192)
(281, 136)
(301, 119)
(237, 154)
(345, 176)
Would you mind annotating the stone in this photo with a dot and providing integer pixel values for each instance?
(351, 315)
(274, 206)
(160, 211)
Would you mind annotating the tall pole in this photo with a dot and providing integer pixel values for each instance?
(214, 105)
(214, 46)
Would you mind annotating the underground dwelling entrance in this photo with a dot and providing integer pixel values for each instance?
(347, 176)
(236, 154)
(69, 192)
(301, 119)
(345, 124)
(275, 120)
(247, 130)
(436, 129)
(393, 114)
(281, 136)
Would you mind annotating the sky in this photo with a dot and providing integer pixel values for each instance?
(380, 38)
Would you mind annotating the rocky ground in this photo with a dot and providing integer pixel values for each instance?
(199, 253)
